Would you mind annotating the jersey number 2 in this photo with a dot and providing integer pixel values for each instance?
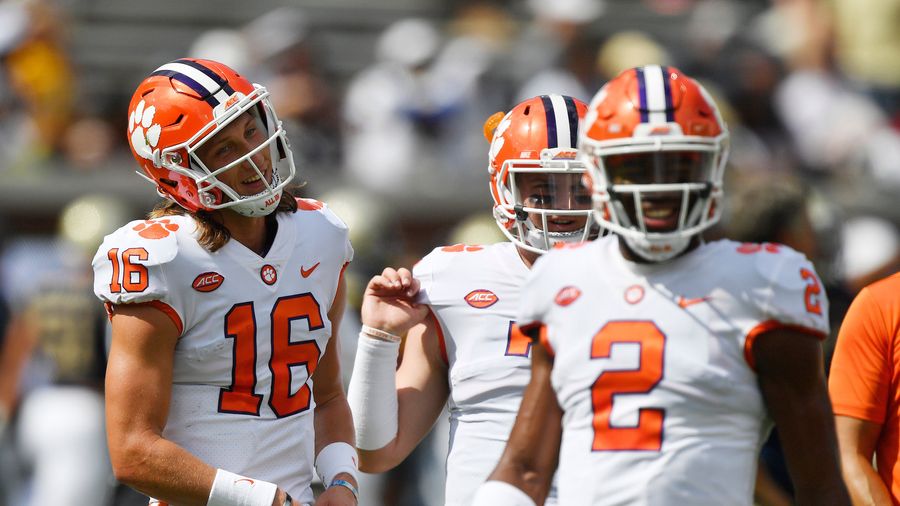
(240, 325)
(647, 434)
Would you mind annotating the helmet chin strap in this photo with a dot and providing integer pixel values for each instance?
(261, 204)
(537, 238)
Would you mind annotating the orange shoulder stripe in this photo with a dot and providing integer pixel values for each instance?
(157, 304)
(768, 325)
(308, 204)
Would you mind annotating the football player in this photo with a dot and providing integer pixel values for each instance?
(660, 360)
(224, 307)
(461, 347)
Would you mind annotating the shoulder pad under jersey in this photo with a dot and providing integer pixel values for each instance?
(787, 288)
(321, 207)
(129, 265)
(437, 262)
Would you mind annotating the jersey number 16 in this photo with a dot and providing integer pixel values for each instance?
(240, 325)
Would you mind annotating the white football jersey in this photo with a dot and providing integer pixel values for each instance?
(473, 292)
(652, 366)
(254, 329)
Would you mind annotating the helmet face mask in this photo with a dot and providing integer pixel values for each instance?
(536, 176)
(655, 169)
(182, 108)
(549, 204)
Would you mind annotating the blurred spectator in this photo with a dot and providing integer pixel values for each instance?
(867, 48)
(274, 48)
(749, 76)
(414, 117)
(553, 54)
(8, 474)
(88, 143)
(37, 69)
(279, 46)
(17, 129)
(711, 25)
(624, 50)
(383, 104)
(796, 31)
(53, 361)
(669, 7)
(833, 128)
(771, 209)
(224, 45)
(870, 250)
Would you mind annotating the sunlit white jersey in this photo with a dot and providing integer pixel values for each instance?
(253, 331)
(473, 293)
(653, 366)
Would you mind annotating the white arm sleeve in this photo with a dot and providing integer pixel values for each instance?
(372, 393)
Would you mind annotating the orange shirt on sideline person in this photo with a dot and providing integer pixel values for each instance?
(865, 374)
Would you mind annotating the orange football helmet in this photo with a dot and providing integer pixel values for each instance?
(655, 147)
(181, 106)
(539, 136)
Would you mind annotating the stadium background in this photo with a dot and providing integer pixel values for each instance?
(384, 101)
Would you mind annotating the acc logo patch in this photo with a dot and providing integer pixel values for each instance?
(207, 282)
(268, 274)
(567, 295)
(566, 155)
(233, 99)
(480, 299)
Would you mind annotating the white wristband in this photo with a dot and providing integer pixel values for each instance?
(492, 493)
(372, 394)
(334, 459)
(231, 489)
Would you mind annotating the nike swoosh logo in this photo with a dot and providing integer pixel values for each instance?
(684, 303)
(306, 272)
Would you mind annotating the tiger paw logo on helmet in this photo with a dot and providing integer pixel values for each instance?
(144, 134)
(498, 140)
(155, 229)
